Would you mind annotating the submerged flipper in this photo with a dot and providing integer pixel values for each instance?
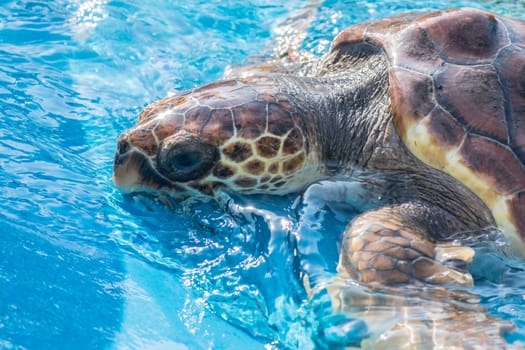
(419, 317)
(396, 244)
(389, 292)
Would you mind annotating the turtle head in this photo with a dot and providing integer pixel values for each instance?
(244, 135)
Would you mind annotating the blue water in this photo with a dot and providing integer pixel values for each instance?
(81, 265)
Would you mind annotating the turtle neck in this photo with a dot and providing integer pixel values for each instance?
(345, 107)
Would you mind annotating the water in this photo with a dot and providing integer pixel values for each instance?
(83, 266)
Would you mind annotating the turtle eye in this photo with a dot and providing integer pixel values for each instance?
(186, 158)
(186, 161)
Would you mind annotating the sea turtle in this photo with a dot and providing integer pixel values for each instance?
(427, 110)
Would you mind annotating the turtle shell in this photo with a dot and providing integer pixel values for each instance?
(457, 83)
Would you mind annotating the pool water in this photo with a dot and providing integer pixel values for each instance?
(83, 266)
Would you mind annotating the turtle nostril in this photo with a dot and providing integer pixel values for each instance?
(123, 145)
(121, 154)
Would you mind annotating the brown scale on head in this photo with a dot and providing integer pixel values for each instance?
(237, 134)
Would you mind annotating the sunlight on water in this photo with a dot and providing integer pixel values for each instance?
(85, 266)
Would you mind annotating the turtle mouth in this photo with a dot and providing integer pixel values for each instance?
(133, 171)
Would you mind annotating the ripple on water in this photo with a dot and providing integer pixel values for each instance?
(84, 264)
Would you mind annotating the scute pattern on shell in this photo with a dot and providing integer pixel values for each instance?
(457, 80)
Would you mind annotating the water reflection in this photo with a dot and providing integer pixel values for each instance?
(84, 267)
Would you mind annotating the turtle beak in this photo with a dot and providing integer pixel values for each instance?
(126, 165)
(132, 170)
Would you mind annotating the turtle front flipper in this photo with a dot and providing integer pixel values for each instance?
(397, 244)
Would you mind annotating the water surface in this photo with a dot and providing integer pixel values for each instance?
(84, 266)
